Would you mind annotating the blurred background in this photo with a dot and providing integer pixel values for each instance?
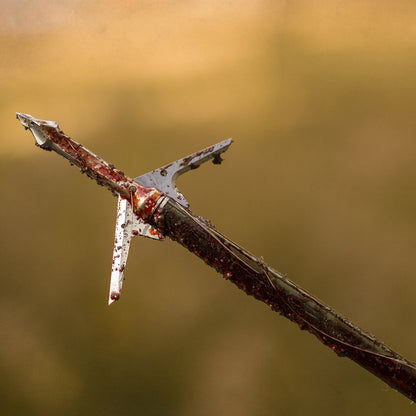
(319, 97)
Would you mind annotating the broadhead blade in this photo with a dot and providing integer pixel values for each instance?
(128, 225)
(165, 177)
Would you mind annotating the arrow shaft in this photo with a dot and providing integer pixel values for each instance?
(259, 280)
(247, 272)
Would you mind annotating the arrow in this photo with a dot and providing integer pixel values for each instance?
(150, 205)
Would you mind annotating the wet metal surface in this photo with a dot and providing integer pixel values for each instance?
(165, 177)
(128, 225)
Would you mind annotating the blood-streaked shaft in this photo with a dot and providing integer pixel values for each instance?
(48, 136)
(259, 280)
(170, 218)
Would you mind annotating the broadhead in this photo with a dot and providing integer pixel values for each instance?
(128, 225)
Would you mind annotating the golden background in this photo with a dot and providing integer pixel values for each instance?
(319, 97)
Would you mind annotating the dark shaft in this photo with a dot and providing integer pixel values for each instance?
(259, 280)
(247, 272)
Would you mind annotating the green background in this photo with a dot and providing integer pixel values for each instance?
(319, 97)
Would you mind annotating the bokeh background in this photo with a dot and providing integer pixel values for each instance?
(319, 97)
